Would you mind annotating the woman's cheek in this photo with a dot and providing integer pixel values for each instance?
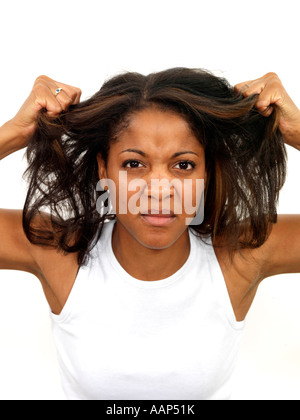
(191, 198)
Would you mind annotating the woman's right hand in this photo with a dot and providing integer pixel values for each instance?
(42, 96)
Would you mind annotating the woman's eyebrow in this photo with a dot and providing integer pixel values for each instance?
(140, 152)
(134, 151)
(185, 152)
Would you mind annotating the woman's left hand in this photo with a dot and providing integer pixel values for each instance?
(272, 94)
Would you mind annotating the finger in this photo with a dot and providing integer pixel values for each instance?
(269, 90)
(250, 88)
(53, 106)
(64, 99)
(44, 98)
(265, 111)
(75, 94)
(72, 92)
(54, 102)
(271, 96)
(257, 86)
(241, 86)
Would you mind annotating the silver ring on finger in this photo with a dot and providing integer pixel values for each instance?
(57, 91)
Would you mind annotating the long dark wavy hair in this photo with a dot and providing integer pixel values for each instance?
(244, 151)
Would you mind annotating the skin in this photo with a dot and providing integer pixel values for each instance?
(155, 136)
(158, 251)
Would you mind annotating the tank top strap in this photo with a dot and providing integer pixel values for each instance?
(220, 286)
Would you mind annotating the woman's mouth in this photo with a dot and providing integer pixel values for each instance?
(159, 218)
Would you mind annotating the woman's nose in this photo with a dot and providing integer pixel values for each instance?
(159, 188)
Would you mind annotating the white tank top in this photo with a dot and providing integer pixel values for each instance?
(120, 338)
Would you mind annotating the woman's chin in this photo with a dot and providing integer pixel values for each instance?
(158, 238)
(154, 233)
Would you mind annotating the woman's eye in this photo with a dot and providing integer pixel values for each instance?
(131, 164)
(185, 165)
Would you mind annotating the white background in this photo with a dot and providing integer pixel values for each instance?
(84, 42)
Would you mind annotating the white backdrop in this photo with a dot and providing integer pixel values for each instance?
(84, 42)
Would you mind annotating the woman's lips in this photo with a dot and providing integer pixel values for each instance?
(158, 219)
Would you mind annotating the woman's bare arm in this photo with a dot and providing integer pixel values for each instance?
(16, 252)
(281, 252)
(15, 249)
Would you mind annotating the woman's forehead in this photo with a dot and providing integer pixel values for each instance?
(159, 129)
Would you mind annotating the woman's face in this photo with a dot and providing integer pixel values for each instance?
(154, 165)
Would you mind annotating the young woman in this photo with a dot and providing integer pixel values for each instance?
(148, 302)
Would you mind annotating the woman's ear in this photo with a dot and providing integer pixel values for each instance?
(101, 167)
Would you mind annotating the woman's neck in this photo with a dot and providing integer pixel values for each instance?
(146, 263)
